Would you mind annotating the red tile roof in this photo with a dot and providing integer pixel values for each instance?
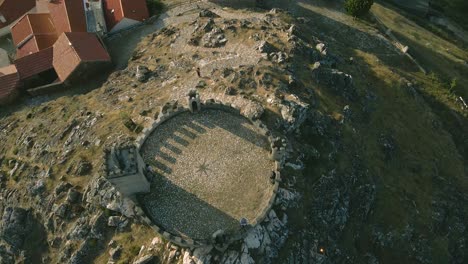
(33, 32)
(9, 81)
(116, 10)
(73, 48)
(35, 63)
(68, 15)
(135, 9)
(14, 9)
(42, 6)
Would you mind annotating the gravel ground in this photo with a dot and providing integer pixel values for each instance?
(211, 169)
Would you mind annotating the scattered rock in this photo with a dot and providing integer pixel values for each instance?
(338, 82)
(266, 47)
(156, 241)
(207, 13)
(115, 253)
(39, 187)
(201, 255)
(294, 113)
(253, 111)
(62, 187)
(229, 90)
(287, 198)
(73, 196)
(61, 210)
(144, 260)
(117, 221)
(214, 39)
(6, 256)
(84, 167)
(142, 73)
(14, 226)
(321, 48)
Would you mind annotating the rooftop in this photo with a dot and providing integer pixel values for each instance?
(68, 15)
(33, 32)
(11, 10)
(72, 48)
(116, 10)
(35, 63)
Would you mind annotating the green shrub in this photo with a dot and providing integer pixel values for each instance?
(358, 8)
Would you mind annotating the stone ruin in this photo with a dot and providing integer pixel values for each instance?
(237, 3)
(125, 170)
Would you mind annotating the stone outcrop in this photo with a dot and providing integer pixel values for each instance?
(15, 226)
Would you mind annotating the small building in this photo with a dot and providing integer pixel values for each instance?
(32, 33)
(11, 11)
(68, 15)
(77, 54)
(37, 69)
(125, 169)
(9, 84)
(122, 14)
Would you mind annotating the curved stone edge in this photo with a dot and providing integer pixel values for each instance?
(277, 154)
(162, 117)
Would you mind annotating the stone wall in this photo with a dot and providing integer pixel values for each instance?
(235, 3)
(278, 155)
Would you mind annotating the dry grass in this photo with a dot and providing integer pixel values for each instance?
(131, 242)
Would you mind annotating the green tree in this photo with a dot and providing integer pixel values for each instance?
(357, 8)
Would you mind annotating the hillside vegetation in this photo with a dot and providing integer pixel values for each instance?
(381, 155)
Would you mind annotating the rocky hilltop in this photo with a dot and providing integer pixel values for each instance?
(374, 171)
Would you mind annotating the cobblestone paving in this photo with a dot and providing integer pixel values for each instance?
(211, 169)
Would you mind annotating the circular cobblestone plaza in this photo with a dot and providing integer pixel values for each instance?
(211, 169)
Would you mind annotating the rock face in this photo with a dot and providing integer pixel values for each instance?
(144, 260)
(266, 47)
(294, 113)
(207, 13)
(84, 167)
(101, 192)
(253, 111)
(6, 257)
(214, 39)
(142, 73)
(14, 226)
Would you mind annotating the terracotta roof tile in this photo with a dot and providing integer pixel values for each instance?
(9, 81)
(35, 63)
(33, 32)
(116, 10)
(68, 15)
(87, 46)
(73, 48)
(14, 9)
(135, 9)
(113, 12)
